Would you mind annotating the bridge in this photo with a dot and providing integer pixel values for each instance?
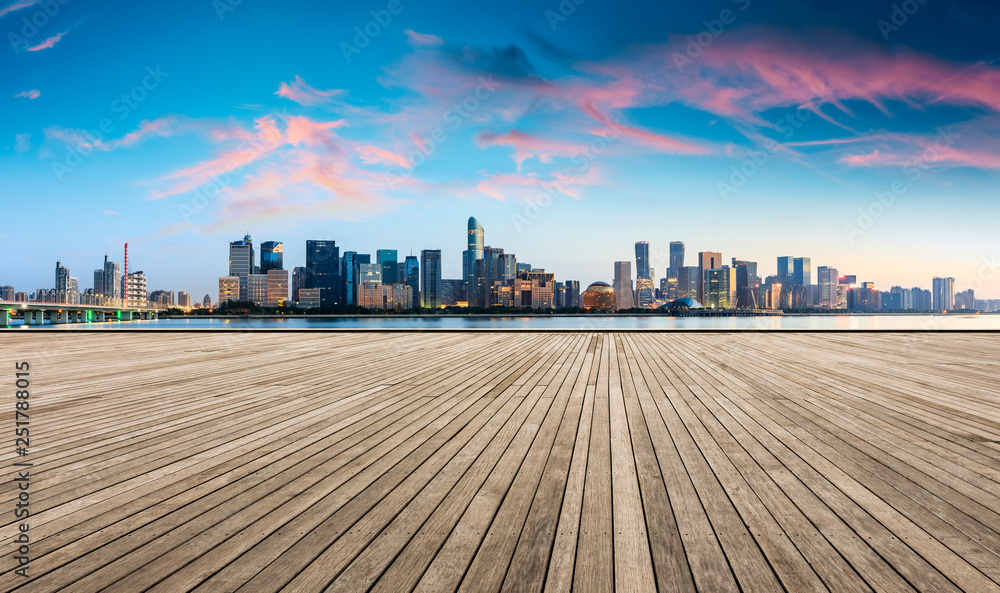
(58, 313)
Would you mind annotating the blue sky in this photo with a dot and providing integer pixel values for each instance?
(753, 128)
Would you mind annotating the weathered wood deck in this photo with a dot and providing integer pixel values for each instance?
(508, 461)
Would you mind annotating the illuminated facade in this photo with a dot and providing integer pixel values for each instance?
(600, 296)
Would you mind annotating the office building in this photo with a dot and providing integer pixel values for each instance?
(309, 298)
(111, 280)
(676, 258)
(944, 294)
(644, 277)
(453, 292)
(299, 281)
(430, 278)
(827, 280)
(785, 266)
(257, 289)
(7, 293)
(411, 278)
(277, 287)
(323, 270)
(747, 285)
(623, 285)
(271, 256)
(572, 294)
(368, 273)
(687, 282)
(388, 259)
(62, 278)
(669, 288)
(474, 251)
(801, 271)
(347, 265)
(384, 296)
(707, 260)
(241, 262)
(720, 288)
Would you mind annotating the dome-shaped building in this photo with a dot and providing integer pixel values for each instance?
(600, 296)
(684, 303)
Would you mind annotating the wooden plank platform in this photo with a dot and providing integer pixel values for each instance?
(513, 461)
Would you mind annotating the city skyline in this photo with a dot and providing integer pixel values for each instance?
(552, 125)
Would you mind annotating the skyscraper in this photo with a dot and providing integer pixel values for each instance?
(644, 278)
(623, 285)
(944, 294)
(430, 278)
(347, 277)
(411, 278)
(720, 286)
(241, 262)
(827, 279)
(112, 280)
(475, 239)
(707, 260)
(323, 270)
(299, 281)
(801, 271)
(785, 270)
(572, 296)
(62, 278)
(271, 256)
(676, 258)
(389, 261)
(747, 285)
(688, 282)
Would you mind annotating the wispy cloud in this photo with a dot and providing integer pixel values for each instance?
(422, 39)
(48, 43)
(17, 6)
(301, 92)
(112, 212)
(22, 142)
(31, 94)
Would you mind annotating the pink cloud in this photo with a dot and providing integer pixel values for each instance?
(48, 42)
(422, 40)
(31, 94)
(374, 155)
(17, 6)
(528, 146)
(302, 93)
(531, 188)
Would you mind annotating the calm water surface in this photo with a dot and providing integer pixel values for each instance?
(590, 323)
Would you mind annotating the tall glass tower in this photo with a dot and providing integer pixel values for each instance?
(323, 270)
(388, 259)
(271, 256)
(241, 262)
(676, 258)
(430, 273)
(474, 252)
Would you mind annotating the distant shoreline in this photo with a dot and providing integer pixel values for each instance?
(696, 313)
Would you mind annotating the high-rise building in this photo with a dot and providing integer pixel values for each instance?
(965, 299)
(644, 276)
(206, 302)
(474, 238)
(257, 289)
(922, 299)
(430, 278)
(183, 299)
(572, 295)
(720, 288)
(135, 289)
(388, 259)
(7, 293)
(411, 278)
(785, 266)
(944, 294)
(62, 278)
(453, 291)
(241, 262)
(299, 281)
(323, 270)
(368, 273)
(747, 285)
(827, 280)
(277, 287)
(623, 285)
(688, 280)
(676, 258)
(112, 280)
(271, 256)
(347, 265)
(642, 259)
(707, 260)
(801, 271)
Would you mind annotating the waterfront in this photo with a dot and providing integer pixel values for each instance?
(953, 322)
